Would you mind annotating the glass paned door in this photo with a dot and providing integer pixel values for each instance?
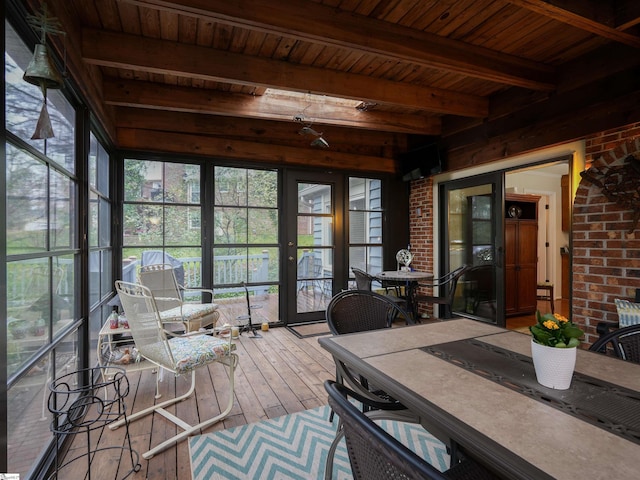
(311, 250)
(473, 231)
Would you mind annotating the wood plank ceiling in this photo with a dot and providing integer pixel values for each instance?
(239, 79)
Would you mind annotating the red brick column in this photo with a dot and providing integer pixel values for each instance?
(606, 256)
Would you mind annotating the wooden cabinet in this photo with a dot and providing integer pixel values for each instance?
(521, 253)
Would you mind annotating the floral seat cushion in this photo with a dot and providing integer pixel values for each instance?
(190, 352)
(189, 311)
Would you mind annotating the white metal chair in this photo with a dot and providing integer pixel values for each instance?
(181, 355)
(169, 296)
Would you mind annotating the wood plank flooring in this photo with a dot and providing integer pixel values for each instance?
(277, 374)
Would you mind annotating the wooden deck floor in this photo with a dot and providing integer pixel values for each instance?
(277, 374)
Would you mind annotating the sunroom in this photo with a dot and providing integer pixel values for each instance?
(249, 145)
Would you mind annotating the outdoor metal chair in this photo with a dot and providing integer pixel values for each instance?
(180, 354)
(364, 281)
(169, 296)
(622, 343)
(446, 286)
(374, 454)
(353, 311)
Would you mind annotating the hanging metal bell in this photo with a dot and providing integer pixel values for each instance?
(44, 129)
(41, 70)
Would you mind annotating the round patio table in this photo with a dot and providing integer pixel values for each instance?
(410, 280)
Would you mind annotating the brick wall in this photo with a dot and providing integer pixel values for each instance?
(606, 257)
(606, 246)
(421, 226)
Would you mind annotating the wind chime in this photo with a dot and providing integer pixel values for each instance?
(41, 71)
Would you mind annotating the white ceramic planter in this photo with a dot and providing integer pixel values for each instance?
(554, 366)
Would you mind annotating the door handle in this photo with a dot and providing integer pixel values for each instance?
(290, 244)
(291, 259)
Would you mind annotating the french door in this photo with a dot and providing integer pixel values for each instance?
(313, 234)
(471, 217)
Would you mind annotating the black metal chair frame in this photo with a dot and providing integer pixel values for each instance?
(364, 281)
(248, 326)
(353, 311)
(374, 454)
(449, 282)
(623, 343)
(363, 311)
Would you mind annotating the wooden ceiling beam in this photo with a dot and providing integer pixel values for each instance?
(592, 16)
(131, 93)
(132, 52)
(184, 144)
(603, 105)
(243, 128)
(324, 24)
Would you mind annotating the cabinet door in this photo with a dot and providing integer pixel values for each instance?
(510, 258)
(527, 266)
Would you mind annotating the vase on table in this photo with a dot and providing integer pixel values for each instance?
(554, 366)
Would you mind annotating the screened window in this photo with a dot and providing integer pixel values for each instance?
(365, 224)
(162, 218)
(42, 242)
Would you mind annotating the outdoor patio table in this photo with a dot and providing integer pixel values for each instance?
(474, 383)
(410, 281)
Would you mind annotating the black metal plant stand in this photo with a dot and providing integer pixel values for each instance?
(88, 408)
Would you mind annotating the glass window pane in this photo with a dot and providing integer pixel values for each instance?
(314, 231)
(357, 227)
(27, 201)
(143, 180)
(142, 224)
(263, 226)
(103, 171)
(93, 161)
(313, 198)
(95, 263)
(93, 219)
(107, 279)
(191, 266)
(23, 101)
(272, 257)
(64, 292)
(62, 201)
(178, 223)
(61, 147)
(104, 224)
(230, 225)
(230, 266)
(28, 424)
(263, 188)
(230, 186)
(179, 180)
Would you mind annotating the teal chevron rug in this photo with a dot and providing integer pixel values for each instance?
(292, 447)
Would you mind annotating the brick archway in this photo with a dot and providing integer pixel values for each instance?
(606, 256)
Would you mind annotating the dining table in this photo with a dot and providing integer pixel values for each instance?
(473, 385)
(410, 280)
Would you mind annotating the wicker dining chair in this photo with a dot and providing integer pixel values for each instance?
(622, 343)
(376, 455)
(353, 311)
(364, 281)
(446, 286)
